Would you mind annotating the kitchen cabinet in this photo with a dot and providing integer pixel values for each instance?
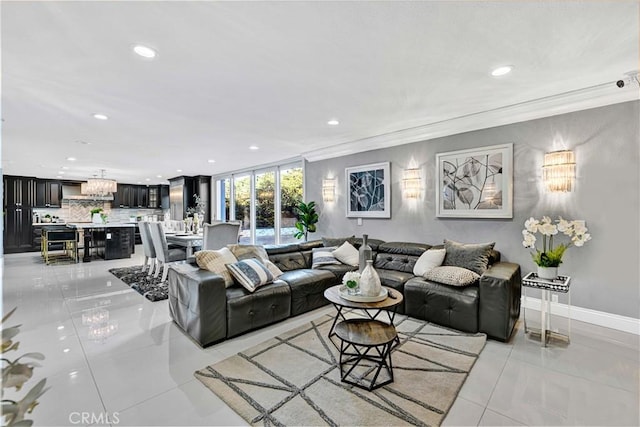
(19, 197)
(164, 198)
(48, 194)
(158, 197)
(140, 196)
(131, 196)
(19, 191)
(122, 197)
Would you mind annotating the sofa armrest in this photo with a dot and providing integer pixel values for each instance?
(198, 303)
(500, 287)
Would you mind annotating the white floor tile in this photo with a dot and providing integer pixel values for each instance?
(464, 413)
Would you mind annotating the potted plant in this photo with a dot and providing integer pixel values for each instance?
(307, 220)
(549, 257)
(96, 216)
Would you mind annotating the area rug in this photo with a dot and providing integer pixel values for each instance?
(147, 286)
(294, 379)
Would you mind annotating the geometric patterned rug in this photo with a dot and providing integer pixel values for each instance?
(294, 379)
(147, 286)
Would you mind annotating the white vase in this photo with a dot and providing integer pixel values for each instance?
(548, 273)
(96, 218)
(370, 285)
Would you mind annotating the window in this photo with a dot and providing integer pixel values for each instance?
(263, 201)
(242, 206)
(290, 197)
(265, 208)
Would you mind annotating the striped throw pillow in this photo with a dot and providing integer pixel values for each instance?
(250, 273)
(323, 256)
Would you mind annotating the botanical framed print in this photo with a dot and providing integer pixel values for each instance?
(475, 183)
(369, 190)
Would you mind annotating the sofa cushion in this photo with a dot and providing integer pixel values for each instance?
(454, 307)
(246, 311)
(216, 261)
(454, 276)
(250, 273)
(307, 288)
(472, 256)
(338, 269)
(394, 279)
(397, 262)
(323, 256)
(289, 261)
(373, 243)
(403, 248)
(347, 254)
(429, 259)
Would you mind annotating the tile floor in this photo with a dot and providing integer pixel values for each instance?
(143, 374)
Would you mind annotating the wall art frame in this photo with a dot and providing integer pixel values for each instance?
(369, 190)
(475, 183)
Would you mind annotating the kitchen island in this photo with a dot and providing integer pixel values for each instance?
(106, 241)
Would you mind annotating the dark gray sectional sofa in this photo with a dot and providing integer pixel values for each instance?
(209, 312)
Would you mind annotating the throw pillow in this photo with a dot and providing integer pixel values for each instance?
(347, 254)
(428, 260)
(273, 269)
(248, 251)
(323, 256)
(216, 262)
(474, 257)
(250, 273)
(454, 276)
(336, 241)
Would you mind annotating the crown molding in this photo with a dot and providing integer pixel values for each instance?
(568, 102)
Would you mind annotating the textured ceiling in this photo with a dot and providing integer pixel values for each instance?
(234, 74)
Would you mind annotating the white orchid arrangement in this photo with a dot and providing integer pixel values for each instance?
(551, 256)
(351, 279)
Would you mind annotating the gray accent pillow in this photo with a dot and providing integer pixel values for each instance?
(250, 273)
(472, 256)
(453, 276)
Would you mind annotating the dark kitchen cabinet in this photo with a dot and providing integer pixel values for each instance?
(19, 197)
(158, 197)
(140, 196)
(164, 198)
(48, 194)
(19, 191)
(123, 197)
(17, 230)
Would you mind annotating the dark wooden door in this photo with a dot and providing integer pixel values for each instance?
(17, 230)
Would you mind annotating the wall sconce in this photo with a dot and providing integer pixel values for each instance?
(411, 183)
(559, 171)
(328, 190)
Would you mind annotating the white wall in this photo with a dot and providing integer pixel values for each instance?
(605, 272)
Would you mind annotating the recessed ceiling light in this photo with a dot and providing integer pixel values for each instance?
(61, 327)
(100, 116)
(145, 51)
(139, 182)
(158, 176)
(83, 142)
(254, 147)
(178, 170)
(148, 179)
(59, 176)
(211, 161)
(501, 71)
(333, 122)
(66, 350)
(71, 159)
(60, 172)
(65, 167)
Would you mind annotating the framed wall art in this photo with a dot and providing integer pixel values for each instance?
(369, 191)
(475, 183)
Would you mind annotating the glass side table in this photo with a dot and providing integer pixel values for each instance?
(546, 286)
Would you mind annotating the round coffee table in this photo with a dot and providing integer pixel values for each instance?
(363, 340)
(371, 309)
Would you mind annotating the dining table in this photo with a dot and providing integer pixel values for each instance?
(188, 240)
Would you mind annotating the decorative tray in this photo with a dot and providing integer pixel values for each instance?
(361, 298)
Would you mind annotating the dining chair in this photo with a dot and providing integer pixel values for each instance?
(147, 246)
(164, 255)
(220, 234)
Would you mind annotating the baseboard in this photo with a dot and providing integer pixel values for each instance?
(600, 318)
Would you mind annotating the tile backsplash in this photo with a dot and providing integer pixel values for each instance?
(80, 211)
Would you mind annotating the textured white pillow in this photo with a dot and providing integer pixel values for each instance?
(250, 273)
(347, 254)
(428, 260)
(216, 261)
(454, 276)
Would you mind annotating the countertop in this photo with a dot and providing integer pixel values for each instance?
(84, 225)
(49, 223)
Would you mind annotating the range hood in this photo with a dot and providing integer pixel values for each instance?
(72, 192)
